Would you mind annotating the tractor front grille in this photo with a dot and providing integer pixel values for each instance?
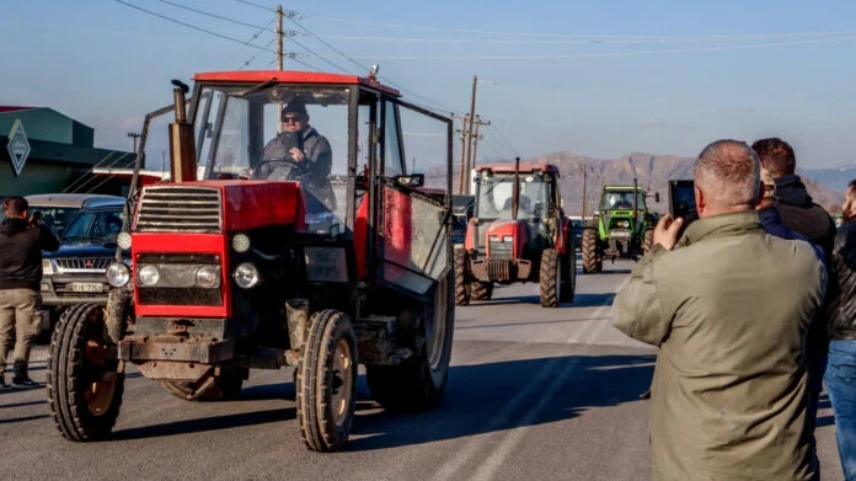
(94, 263)
(180, 209)
(501, 250)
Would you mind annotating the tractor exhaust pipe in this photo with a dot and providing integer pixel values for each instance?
(182, 147)
(515, 192)
(635, 204)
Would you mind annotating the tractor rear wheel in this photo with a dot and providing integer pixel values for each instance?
(462, 284)
(550, 278)
(418, 383)
(481, 291)
(226, 386)
(591, 263)
(326, 382)
(84, 382)
(648, 241)
(569, 275)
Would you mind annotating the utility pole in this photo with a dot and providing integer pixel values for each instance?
(584, 194)
(135, 136)
(470, 131)
(464, 120)
(471, 161)
(279, 15)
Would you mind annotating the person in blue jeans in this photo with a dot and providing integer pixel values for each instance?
(840, 374)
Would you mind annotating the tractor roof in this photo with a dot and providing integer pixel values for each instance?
(291, 77)
(508, 167)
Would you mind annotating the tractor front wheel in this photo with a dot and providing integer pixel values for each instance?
(592, 263)
(84, 381)
(418, 383)
(462, 284)
(326, 382)
(481, 291)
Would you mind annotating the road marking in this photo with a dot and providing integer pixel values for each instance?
(595, 334)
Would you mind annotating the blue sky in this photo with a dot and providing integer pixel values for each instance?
(554, 75)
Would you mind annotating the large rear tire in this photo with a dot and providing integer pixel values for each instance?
(226, 386)
(84, 385)
(326, 382)
(481, 291)
(591, 263)
(550, 278)
(418, 383)
(462, 284)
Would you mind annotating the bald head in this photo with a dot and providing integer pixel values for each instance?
(728, 174)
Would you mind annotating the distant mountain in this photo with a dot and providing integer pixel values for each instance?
(836, 178)
(651, 172)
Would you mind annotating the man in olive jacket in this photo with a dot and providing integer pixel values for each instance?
(729, 310)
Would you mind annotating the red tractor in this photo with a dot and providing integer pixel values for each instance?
(519, 234)
(234, 269)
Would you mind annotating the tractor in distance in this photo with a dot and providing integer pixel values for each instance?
(239, 261)
(519, 233)
(622, 228)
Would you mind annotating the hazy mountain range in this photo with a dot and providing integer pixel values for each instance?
(653, 172)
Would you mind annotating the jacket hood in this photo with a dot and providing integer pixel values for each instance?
(791, 190)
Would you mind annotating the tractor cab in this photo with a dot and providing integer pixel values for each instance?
(291, 232)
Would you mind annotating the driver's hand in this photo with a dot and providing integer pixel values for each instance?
(297, 154)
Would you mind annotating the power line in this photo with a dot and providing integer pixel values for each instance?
(609, 54)
(207, 14)
(194, 27)
(505, 141)
(245, 2)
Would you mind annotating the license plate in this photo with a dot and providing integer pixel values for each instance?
(85, 287)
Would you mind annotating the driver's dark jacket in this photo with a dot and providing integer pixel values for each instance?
(842, 283)
(316, 167)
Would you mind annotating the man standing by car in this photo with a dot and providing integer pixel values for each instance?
(22, 241)
(730, 310)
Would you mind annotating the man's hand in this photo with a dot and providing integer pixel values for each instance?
(666, 232)
(297, 154)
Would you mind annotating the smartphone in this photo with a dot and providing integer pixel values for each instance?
(682, 201)
(292, 140)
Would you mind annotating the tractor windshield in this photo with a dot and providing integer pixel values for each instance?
(622, 200)
(495, 196)
(282, 132)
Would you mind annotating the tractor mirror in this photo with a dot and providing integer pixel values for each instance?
(657, 197)
(413, 180)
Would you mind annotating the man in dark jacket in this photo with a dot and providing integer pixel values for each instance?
(300, 153)
(22, 241)
(841, 368)
(800, 214)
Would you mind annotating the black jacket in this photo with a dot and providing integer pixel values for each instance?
(21, 247)
(800, 214)
(842, 283)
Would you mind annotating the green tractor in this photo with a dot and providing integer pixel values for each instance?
(623, 227)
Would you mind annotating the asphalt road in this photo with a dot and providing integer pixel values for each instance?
(533, 393)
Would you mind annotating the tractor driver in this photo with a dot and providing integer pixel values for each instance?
(300, 153)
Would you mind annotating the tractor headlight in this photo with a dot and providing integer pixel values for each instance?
(148, 276)
(118, 274)
(241, 243)
(48, 267)
(124, 240)
(246, 275)
(208, 277)
(625, 224)
(508, 238)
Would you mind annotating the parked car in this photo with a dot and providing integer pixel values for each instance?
(75, 273)
(59, 209)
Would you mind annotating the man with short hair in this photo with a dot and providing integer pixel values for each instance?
(729, 309)
(841, 367)
(22, 241)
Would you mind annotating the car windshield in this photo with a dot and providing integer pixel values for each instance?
(495, 194)
(56, 218)
(94, 226)
(621, 200)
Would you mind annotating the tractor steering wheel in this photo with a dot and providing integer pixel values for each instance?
(280, 169)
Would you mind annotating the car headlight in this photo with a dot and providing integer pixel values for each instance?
(48, 267)
(241, 243)
(246, 275)
(207, 277)
(508, 238)
(118, 274)
(124, 240)
(148, 276)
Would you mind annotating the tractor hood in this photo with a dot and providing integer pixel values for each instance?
(505, 238)
(219, 206)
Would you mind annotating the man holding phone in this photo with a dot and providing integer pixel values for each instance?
(22, 240)
(730, 311)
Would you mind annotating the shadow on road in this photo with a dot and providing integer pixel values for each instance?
(213, 423)
(580, 300)
(479, 398)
